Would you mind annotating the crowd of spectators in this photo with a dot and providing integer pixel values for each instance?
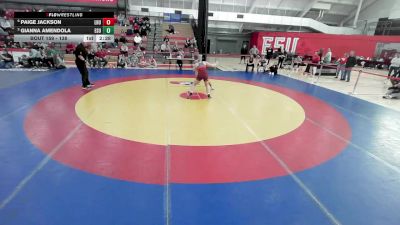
(99, 57)
(343, 65)
(168, 48)
(39, 56)
(99, 54)
(141, 26)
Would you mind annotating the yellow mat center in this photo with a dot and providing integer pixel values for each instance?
(151, 111)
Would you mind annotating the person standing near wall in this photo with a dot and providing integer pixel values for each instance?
(350, 63)
(328, 57)
(254, 51)
(315, 60)
(281, 58)
(320, 53)
(341, 65)
(243, 53)
(270, 53)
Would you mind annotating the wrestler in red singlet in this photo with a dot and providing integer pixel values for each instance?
(202, 72)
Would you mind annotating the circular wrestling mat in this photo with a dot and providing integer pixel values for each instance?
(126, 125)
(150, 111)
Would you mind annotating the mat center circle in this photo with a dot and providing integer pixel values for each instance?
(151, 111)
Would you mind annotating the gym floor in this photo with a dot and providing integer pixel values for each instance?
(134, 150)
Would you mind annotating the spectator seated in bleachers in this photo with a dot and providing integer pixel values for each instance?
(133, 60)
(164, 47)
(148, 26)
(49, 56)
(166, 39)
(139, 53)
(140, 26)
(152, 62)
(143, 31)
(194, 42)
(141, 47)
(35, 57)
(108, 45)
(129, 32)
(171, 29)
(122, 39)
(100, 58)
(23, 62)
(146, 19)
(175, 48)
(137, 40)
(70, 48)
(157, 48)
(59, 62)
(136, 20)
(143, 62)
(9, 42)
(6, 60)
(121, 62)
(124, 49)
(136, 28)
(188, 44)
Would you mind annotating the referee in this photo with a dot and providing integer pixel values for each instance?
(80, 61)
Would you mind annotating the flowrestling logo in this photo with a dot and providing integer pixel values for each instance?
(287, 43)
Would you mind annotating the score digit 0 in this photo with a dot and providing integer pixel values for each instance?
(108, 21)
(108, 30)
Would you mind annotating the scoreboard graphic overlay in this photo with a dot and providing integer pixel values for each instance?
(64, 27)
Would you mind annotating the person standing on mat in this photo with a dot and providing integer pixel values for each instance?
(80, 61)
(200, 69)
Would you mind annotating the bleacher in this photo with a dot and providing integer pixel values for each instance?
(156, 36)
(182, 30)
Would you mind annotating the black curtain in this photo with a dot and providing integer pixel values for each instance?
(202, 28)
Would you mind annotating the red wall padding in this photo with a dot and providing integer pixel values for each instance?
(308, 43)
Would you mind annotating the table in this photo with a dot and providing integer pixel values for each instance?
(191, 60)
